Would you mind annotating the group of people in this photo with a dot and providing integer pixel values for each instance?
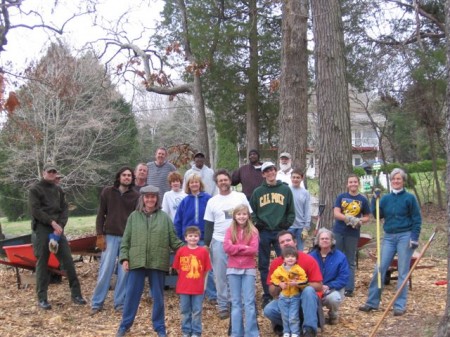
(217, 235)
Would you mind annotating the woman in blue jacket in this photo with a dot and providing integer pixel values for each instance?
(191, 210)
(402, 225)
(335, 271)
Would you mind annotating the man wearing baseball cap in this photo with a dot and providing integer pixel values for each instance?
(273, 210)
(49, 215)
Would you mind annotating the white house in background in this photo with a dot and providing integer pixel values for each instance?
(364, 137)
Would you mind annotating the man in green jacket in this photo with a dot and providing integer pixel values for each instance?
(49, 213)
(273, 210)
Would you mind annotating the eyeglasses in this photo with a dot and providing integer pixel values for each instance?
(51, 171)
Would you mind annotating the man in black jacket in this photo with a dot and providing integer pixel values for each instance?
(49, 213)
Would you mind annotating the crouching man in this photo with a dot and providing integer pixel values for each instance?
(308, 300)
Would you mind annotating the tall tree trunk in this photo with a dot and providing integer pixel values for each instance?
(335, 144)
(444, 325)
(430, 133)
(252, 87)
(199, 103)
(293, 117)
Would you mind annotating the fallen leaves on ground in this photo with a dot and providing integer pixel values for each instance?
(19, 315)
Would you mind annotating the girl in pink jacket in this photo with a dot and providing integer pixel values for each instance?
(241, 246)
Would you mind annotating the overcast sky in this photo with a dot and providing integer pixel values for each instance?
(25, 45)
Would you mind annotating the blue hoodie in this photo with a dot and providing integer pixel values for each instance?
(190, 212)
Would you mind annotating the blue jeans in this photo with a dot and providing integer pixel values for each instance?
(267, 240)
(219, 262)
(134, 289)
(242, 291)
(298, 236)
(308, 302)
(392, 244)
(191, 314)
(349, 246)
(210, 291)
(105, 272)
(290, 309)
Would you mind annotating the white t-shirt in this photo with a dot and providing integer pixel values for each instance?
(170, 202)
(219, 210)
(285, 177)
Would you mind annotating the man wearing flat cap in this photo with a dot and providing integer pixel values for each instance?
(116, 204)
(49, 215)
(204, 172)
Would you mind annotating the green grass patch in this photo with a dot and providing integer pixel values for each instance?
(437, 249)
(76, 226)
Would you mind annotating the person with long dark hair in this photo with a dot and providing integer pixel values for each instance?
(116, 204)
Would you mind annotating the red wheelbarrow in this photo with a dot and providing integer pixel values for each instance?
(364, 239)
(22, 256)
(394, 268)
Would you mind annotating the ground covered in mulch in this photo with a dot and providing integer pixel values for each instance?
(19, 315)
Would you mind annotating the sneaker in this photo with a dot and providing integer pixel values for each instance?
(399, 312)
(121, 333)
(277, 329)
(95, 311)
(349, 293)
(185, 335)
(366, 308)
(195, 336)
(309, 332)
(331, 321)
(224, 314)
(79, 300)
(44, 305)
(286, 335)
(295, 335)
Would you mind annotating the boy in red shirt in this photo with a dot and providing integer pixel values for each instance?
(192, 264)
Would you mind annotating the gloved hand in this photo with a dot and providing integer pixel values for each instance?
(376, 193)
(53, 244)
(304, 234)
(101, 242)
(353, 221)
(413, 244)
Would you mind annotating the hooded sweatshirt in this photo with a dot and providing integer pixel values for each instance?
(273, 206)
